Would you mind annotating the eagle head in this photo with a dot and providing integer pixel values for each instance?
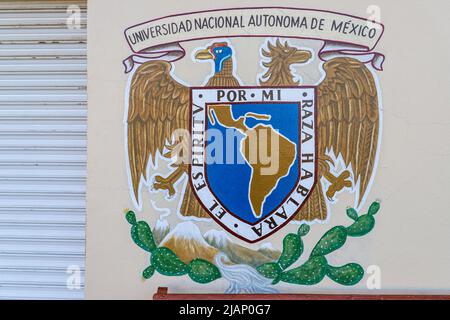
(219, 52)
(286, 54)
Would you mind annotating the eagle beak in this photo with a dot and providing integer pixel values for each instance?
(302, 56)
(203, 55)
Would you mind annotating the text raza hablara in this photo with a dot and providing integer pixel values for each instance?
(198, 157)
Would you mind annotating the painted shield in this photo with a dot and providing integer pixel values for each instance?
(253, 155)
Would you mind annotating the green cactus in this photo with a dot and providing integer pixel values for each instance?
(316, 268)
(332, 240)
(311, 272)
(131, 217)
(167, 262)
(270, 270)
(164, 260)
(303, 230)
(145, 235)
(148, 272)
(352, 214)
(141, 233)
(362, 226)
(347, 275)
(292, 249)
(203, 271)
(374, 208)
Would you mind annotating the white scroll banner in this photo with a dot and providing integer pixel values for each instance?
(342, 34)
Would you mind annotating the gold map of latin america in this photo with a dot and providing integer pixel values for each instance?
(266, 172)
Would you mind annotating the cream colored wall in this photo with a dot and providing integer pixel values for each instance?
(411, 241)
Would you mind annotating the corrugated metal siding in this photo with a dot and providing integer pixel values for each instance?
(42, 149)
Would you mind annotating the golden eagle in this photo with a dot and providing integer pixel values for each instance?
(159, 105)
(347, 121)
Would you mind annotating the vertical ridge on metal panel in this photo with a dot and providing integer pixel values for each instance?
(42, 150)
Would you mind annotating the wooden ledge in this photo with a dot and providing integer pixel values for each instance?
(163, 294)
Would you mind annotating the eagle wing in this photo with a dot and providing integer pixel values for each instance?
(348, 117)
(158, 105)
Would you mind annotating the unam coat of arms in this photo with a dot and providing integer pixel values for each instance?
(255, 158)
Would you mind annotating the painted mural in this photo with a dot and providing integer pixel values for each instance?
(241, 163)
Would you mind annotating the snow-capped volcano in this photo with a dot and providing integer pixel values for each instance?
(217, 238)
(160, 230)
(188, 243)
(236, 253)
(266, 246)
(268, 250)
(187, 231)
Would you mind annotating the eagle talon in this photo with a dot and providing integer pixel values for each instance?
(337, 183)
(164, 184)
